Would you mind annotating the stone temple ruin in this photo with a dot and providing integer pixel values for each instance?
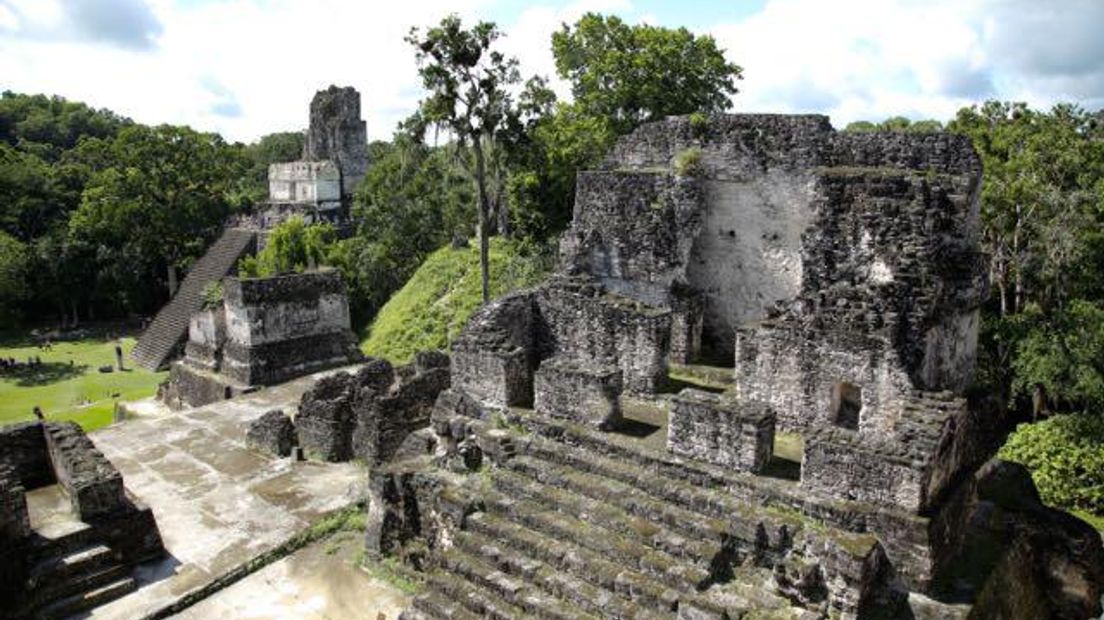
(319, 188)
(265, 331)
(78, 547)
(838, 276)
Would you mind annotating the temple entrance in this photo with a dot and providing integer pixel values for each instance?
(846, 405)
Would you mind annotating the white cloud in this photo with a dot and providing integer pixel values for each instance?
(871, 60)
(245, 68)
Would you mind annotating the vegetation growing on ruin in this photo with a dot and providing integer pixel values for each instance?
(429, 311)
(687, 162)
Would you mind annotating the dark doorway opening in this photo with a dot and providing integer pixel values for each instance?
(846, 405)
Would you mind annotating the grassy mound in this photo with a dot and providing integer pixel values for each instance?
(68, 384)
(432, 307)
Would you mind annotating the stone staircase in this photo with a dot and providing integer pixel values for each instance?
(74, 575)
(576, 523)
(163, 336)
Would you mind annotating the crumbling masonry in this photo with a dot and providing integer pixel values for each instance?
(64, 566)
(840, 274)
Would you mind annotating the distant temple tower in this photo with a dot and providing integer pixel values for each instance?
(338, 134)
(335, 159)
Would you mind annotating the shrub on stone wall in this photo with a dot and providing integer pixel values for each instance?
(1066, 457)
(687, 162)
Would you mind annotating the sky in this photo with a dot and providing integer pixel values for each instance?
(245, 68)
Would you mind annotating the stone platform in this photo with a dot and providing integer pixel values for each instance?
(218, 503)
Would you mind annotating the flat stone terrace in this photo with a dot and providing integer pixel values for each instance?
(218, 504)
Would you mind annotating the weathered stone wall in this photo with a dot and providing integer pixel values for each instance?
(367, 416)
(582, 320)
(283, 327)
(206, 335)
(15, 523)
(304, 181)
(272, 433)
(719, 430)
(23, 449)
(94, 486)
(586, 392)
(494, 357)
(338, 134)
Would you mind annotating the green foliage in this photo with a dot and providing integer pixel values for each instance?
(48, 126)
(1042, 212)
(699, 123)
(412, 201)
(632, 74)
(896, 123)
(13, 277)
(1063, 352)
(687, 162)
(212, 294)
(542, 190)
(430, 310)
(1066, 457)
(293, 246)
(273, 148)
(161, 202)
(469, 94)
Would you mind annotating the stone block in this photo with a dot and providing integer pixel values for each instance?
(273, 432)
(94, 486)
(325, 419)
(845, 465)
(585, 392)
(716, 429)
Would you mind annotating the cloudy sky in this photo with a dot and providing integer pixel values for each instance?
(249, 67)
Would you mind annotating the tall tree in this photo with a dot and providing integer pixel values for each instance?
(163, 199)
(469, 95)
(633, 74)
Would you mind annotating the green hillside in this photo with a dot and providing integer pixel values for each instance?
(432, 307)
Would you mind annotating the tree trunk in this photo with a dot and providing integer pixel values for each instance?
(481, 183)
(172, 280)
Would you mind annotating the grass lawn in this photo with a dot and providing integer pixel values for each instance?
(76, 391)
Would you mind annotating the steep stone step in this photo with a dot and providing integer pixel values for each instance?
(77, 584)
(531, 598)
(452, 596)
(519, 543)
(576, 597)
(608, 518)
(170, 326)
(57, 568)
(707, 500)
(610, 542)
(632, 500)
(84, 601)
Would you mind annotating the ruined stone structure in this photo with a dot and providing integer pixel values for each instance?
(840, 275)
(367, 415)
(318, 188)
(53, 567)
(265, 331)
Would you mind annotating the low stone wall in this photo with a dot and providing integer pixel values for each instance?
(189, 386)
(277, 362)
(94, 486)
(716, 429)
(586, 392)
(842, 464)
(23, 449)
(15, 522)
